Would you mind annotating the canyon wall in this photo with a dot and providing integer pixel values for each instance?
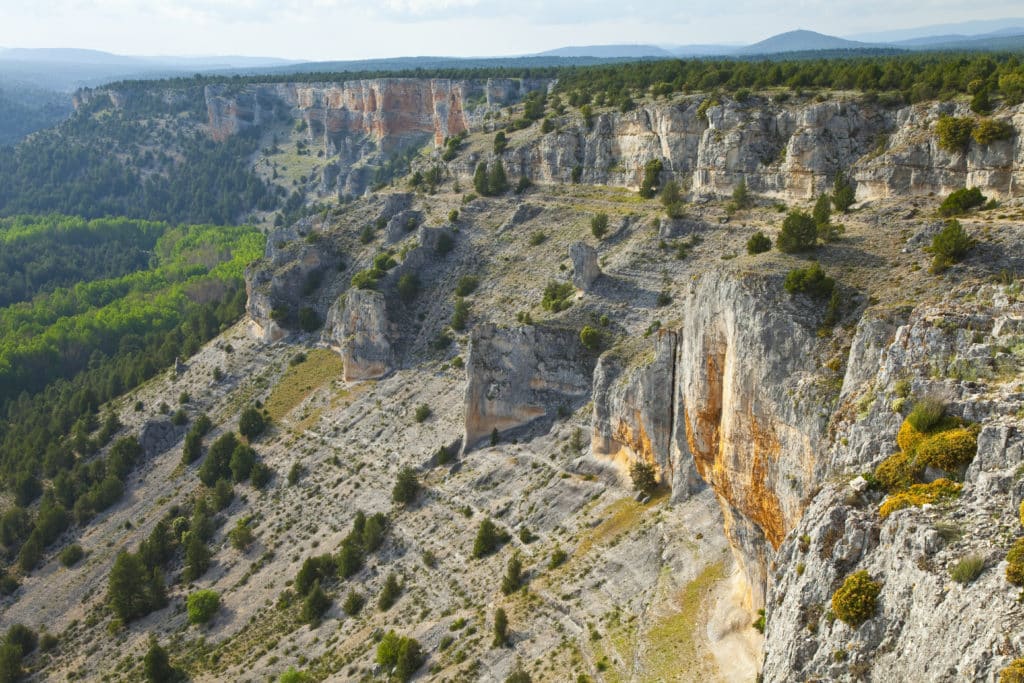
(789, 151)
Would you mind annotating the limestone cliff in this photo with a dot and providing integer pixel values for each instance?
(357, 325)
(785, 150)
(912, 551)
(728, 399)
(521, 374)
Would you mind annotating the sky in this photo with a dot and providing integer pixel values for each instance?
(360, 29)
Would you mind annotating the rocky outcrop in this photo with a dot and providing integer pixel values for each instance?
(634, 416)
(728, 400)
(790, 151)
(275, 285)
(584, 264)
(357, 325)
(521, 374)
(918, 631)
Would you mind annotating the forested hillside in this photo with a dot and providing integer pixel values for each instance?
(85, 327)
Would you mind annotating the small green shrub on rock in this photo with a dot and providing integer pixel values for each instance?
(811, 281)
(1015, 563)
(857, 599)
(758, 243)
(799, 233)
(954, 132)
(961, 201)
(950, 246)
(202, 605)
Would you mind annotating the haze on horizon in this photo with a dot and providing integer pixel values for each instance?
(346, 29)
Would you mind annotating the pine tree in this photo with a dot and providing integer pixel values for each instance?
(497, 181)
(156, 664)
(480, 179)
(513, 575)
(197, 558)
(500, 628)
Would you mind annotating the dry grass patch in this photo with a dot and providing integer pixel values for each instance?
(300, 381)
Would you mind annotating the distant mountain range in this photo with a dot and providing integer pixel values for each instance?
(63, 70)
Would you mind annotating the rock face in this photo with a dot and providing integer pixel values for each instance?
(521, 374)
(584, 264)
(790, 151)
(727, 400)
(357, 325)
(277, 282)
(920, 630)
(359, 121)
(634, 416)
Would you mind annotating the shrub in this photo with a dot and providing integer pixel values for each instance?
(408, 287)
(407, 487)
(954, 132)
(799, 233)
(672, 199)
(992, 130)
(1015, 563)
(460, 314)
(422, 412)
(967, 569)
(948, 450)
(497, 181)
(513, 578)
(293, 675)
(488, 538)
(920, 494)
(558, 558)
(843, 194)
(353, 603)
(811, 281)
(309, 320)
(500, 628)
(557, 296)
(317, 603)
(500, 142)
(466, 285)
(241, 535)
(758, 243)
(652, 173)
(1014, 673)
(399, 654)
(243, 458)
(313, 570)
(295, 473)
(590, 337)
(202, 605)
(949, 246)
(71, 555)
(643, 476)
(390, 593)
(961, 201)
(599, 225)
(520, 676)
(898, 472)
(740, 196)
(251, 423)
(537, 238)
(856, 600)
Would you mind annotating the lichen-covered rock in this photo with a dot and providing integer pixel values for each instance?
(357, 325)
(521, 374)
(584, 264)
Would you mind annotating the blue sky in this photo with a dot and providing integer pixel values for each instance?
(356, 29)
